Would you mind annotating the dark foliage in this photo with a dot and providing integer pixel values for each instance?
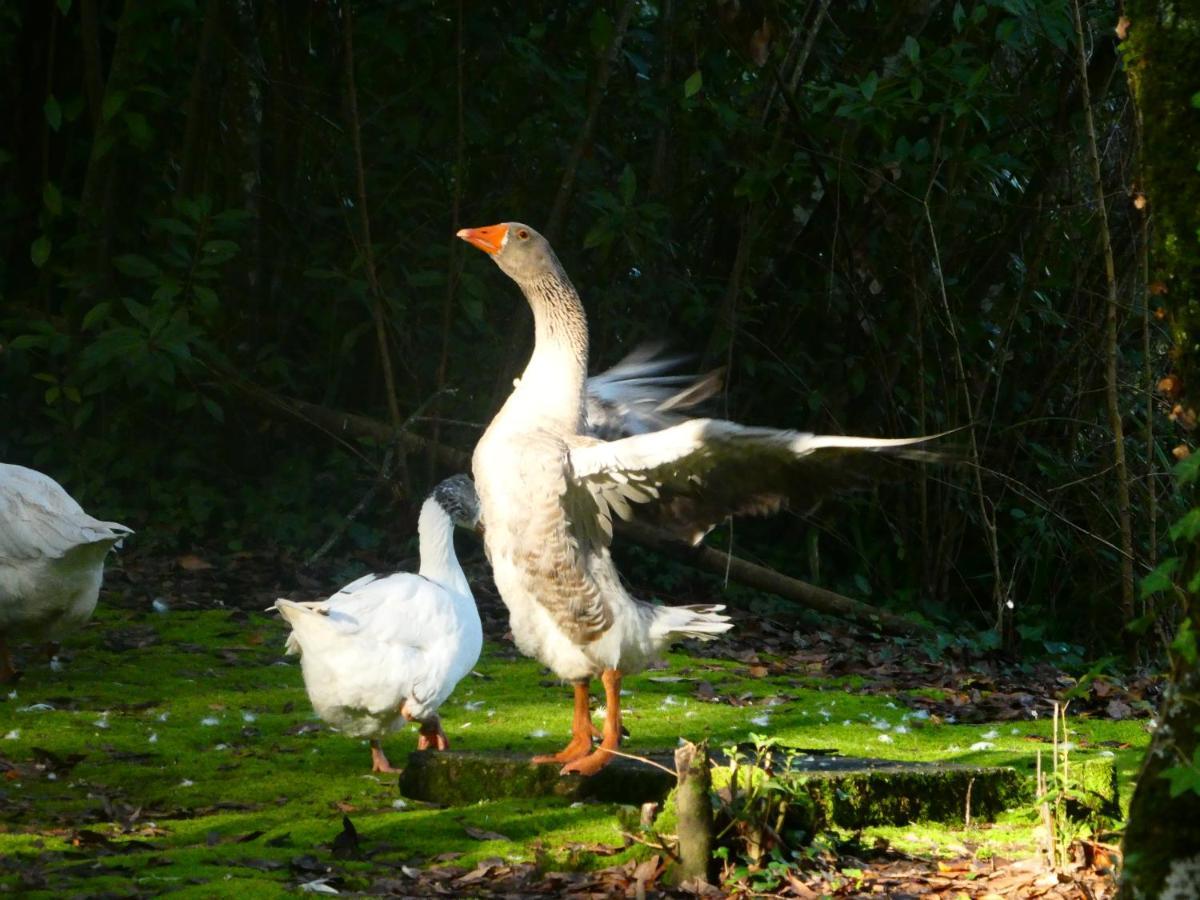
(878, 215)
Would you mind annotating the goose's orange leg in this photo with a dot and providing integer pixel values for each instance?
(601, 757)
(581, 730)
(379, 762)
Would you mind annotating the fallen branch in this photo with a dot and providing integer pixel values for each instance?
(763, 579)
(341, 424)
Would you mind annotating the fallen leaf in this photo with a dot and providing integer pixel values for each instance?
(1118, 709)
(190, 562)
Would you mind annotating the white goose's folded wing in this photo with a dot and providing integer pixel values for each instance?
(691, 476)
(38, 519)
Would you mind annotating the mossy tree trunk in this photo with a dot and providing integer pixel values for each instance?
(1162, 44)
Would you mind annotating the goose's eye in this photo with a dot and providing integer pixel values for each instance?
(523, 234)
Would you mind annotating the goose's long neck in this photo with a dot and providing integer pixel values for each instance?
(439, 562)
(553, 381)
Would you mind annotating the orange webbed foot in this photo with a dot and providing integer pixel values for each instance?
(432, 737)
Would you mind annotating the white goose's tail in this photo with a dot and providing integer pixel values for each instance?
(674, 623)
(310, 617)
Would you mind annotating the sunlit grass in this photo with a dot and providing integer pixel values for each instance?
(196, 739)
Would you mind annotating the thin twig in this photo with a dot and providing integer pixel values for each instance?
(1113, 399)
(385, 356)
(452, 275)
(385, 471)
(999, 594)
(643, 759)
(583, 140)
(336, 535)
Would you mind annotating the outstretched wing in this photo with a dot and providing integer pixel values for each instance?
(639, 394)
(695, 474)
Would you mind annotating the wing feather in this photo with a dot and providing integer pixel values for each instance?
(695, 474)
(639, 394)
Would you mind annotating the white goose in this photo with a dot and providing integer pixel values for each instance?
(548, 492)
(387, 649)
(51, 560)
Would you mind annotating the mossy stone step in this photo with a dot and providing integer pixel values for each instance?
(855, 793)
(460, 777)
(845, 791)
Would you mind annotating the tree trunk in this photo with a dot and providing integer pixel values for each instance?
(96, 208)
(1162, 839)
(1112, 395)
(201, 115)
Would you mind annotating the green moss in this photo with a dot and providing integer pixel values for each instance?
(194, 734)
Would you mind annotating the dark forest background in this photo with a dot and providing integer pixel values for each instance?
(881, 217)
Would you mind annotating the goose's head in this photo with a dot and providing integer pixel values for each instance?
(521, 252)
(457, 497)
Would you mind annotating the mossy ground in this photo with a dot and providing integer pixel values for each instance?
(199, 748)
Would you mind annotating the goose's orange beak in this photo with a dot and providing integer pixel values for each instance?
(488, 239)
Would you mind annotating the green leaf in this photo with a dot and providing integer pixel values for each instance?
(96, 315)
(1185, 642)
(601, 31)
(206, 298)
(960, 16)
(64, 6)
(1141, 624)
(168, 289)
(39, 251)
(53, 112)
(112, 104)
(135, 266)
(1196, 100)
(916, 88)
(868, 85)
(72, 393)
(1184, 778)
(692, 86)
(174, 226)
(1187, 469)
(52, 198)
(628, 184)
(216, 252)
(1187, 526)
(912, 49)
(139, 129)
(27, 342)
(213, 409)
(1161, 579)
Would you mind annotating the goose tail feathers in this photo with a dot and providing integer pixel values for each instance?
(674, 623)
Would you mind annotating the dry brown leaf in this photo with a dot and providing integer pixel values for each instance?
(190, 562)
(1122, 28)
